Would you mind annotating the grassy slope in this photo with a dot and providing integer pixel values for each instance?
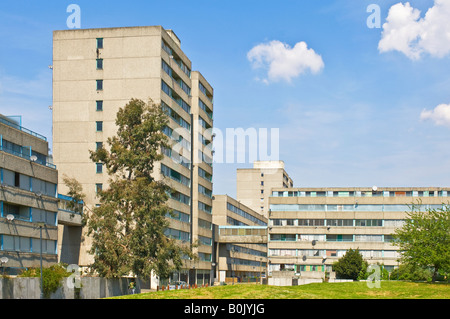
(347, 290)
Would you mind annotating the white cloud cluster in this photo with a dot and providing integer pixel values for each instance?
(440, 115)
(407, 32)
(284, 62)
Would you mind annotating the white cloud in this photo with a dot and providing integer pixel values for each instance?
(284, 62)
(440, 115)
(407, 32)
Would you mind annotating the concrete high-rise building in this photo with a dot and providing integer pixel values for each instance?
(97, 71)
(311, 228)
(254, 185)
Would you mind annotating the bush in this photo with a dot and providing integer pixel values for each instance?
(51, 277)
(351, 266)
(411, 273)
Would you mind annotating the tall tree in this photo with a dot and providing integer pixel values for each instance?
(424, 239)
(127, 229)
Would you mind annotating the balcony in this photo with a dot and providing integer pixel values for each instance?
(69, 212)
(21, 128)
(24, 152)
(243, 234)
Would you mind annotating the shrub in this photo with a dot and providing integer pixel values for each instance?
(51, 277)
(350, 266)
(411, 272)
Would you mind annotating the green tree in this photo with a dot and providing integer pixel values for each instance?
(351, 265)
(424, 239)
(127, 229)
(75, 191)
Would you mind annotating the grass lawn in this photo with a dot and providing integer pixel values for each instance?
(344, 290)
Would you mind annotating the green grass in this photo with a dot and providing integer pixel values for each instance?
(345, 290)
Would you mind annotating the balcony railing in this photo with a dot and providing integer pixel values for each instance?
(25, 155)
(21, 128)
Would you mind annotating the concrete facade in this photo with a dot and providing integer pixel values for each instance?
(310, 228)
(98, 71)
(28, 199)
(254, 185)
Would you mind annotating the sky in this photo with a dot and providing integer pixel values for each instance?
(358, 91)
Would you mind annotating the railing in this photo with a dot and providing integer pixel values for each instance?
(242, 230)
(21, 128)
(25, 156)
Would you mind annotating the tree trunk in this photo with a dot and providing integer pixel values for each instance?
(435, 273)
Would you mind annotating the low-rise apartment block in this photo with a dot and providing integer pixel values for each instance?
(242, 241)
(28, 199)
(310, 228)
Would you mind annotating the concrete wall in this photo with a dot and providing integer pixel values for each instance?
(289, 278)
(91, 288)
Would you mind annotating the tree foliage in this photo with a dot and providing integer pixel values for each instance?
(51, 277)
(127, 229)
(351, 266)
(75, 191)
(424, 239)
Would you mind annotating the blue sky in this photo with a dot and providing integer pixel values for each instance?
(367, 117)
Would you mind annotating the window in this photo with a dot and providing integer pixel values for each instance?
(339, 237)
(99, 85)
(99, 43)
(16, 179)
(99, 64)
(310, 222)
(205, 240)
(205, 191)
(99, 168)
(16, 243)
(180, 197)
(204, 207)
(19, 212)
(99, 105)
(98, 188)
(204, 174)
(262, 191)
(369, 238)
(98, 145)
(282, 237)
(99, 126)
(339, 222)
(262, 183)
(204, 224)
(175, 214)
